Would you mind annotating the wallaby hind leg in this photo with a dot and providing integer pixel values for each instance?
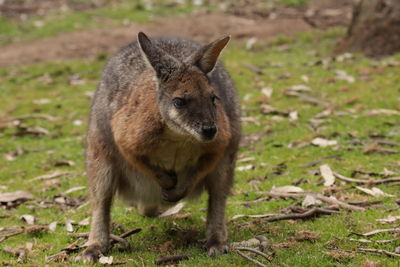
(218, 184)
(102, 185)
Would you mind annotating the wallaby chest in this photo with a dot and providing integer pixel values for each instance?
(175, 153)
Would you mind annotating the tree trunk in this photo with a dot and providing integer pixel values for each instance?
(375, 28)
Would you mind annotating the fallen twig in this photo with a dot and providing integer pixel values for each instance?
(305, 215)
(334, 201)
(29, 230)
(362, 240)
(251, 216)
(7, 236)
(51, 175)
(256, 251)
(380, 251)
(392, 230)
(173, 258)
(249, 258)
(74, 246)
(114, 239)
(19, 252)
(369, 181)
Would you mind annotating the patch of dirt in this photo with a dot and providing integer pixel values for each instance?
(200, 27)
(242, 20)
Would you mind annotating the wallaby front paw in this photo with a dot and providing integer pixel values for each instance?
(90, 255)
(168, 179)
(172, 195)
(217, 249)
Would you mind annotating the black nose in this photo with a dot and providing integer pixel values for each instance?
(209, 132)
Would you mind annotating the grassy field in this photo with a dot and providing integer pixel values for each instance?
(275, 150)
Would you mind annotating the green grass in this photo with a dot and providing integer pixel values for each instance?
(20, 86)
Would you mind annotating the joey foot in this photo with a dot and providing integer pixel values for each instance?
(90, 255)
(167, 179)
(172, 195)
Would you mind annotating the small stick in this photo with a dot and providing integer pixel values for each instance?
(256, 251)
(114, 238)
(369, 181)
(250, 259)
(392, 230)
(7, 236)
(295, 216)
(341, 204)
(380, 251)
(130, 232)
(19, 252)
(173, 258)
(373, 241)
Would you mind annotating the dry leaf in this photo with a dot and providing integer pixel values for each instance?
(245, 167)
(52, 226)
(342, 75)
(377, 112)
(259, 240)
(300, 87)
(51, 175)
(29, 219)
(286, 189)
(41, 101)
(250, 43)
(74, 189)
(370, 263)
(68, 225)
(175, 209)
(77, 122)
(310, 200)
(323, 142)
(341, 254)
(106, 260)
(388, 220)
(305, 236)
(15, 196)
(293, 116)
(84, 221)
(327, 174)
(374, 191)
(267, 91)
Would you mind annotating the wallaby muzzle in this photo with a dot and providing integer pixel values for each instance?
(208, 132)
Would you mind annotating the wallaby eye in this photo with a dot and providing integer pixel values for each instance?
(179, 102)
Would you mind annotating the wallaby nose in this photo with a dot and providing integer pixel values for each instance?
(209, 131)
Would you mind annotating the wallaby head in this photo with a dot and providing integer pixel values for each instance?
(187, 102)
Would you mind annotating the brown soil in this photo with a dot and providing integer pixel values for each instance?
(202, 27)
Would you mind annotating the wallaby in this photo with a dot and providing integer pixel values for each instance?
(164, 126)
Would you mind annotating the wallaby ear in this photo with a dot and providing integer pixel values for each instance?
(206, 57)
(163, 64)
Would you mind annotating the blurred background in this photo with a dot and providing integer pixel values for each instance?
(84, 28)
